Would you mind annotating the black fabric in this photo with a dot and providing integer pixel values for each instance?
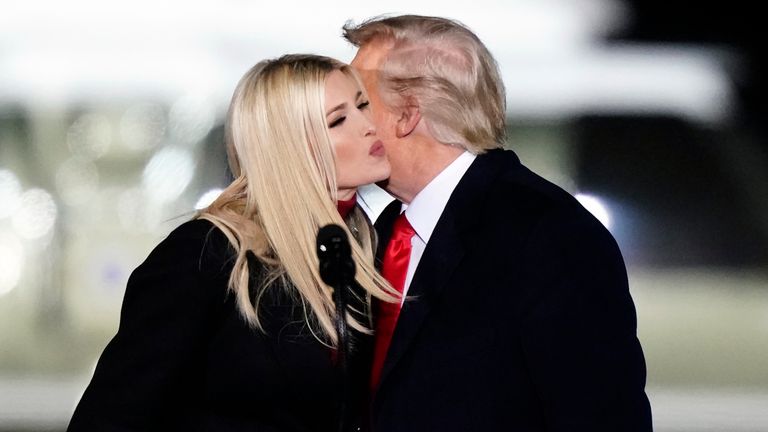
(184, 359)
(519, 317)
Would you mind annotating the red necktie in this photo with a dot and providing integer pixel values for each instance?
(394, 269)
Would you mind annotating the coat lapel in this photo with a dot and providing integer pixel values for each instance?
(384, 224)
(443, 254)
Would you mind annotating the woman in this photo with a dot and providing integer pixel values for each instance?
(227, 325)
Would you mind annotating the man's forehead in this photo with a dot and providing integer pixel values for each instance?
(372, 54)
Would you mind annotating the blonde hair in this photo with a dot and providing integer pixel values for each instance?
(282, 158)
(447, 69)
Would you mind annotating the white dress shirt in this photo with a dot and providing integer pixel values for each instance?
(426, 207)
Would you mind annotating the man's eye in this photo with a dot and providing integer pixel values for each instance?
(337, 122)
(363, 105)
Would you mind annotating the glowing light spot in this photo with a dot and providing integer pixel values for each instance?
(207, 198)
(11, 263)
(596, 207)
(142, 127)
(90, 136)
(168, 173)
(77, 180)
(10, 192)
(36, 214)
(191, 118)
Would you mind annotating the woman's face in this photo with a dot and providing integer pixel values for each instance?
(360, 156)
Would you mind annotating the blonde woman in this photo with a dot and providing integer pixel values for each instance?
(227, 325)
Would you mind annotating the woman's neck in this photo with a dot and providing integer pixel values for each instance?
(346, 194)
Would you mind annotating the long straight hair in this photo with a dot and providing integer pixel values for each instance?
(282, 158)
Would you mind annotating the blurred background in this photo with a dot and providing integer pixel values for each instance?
(652, 114)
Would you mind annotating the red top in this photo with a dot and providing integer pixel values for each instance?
(346, 206)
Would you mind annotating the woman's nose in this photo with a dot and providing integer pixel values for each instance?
(369, 128)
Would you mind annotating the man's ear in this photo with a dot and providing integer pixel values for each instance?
(410, 115)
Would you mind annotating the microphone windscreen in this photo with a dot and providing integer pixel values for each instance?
(335, 255)
(332, 240)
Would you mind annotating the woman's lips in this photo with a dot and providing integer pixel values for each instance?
(377, 149)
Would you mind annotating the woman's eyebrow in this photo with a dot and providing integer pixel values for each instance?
(337, 107)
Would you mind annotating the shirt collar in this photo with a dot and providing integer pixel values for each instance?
(426, 207)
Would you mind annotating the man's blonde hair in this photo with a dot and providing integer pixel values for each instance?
(282, 158)
(447, 69)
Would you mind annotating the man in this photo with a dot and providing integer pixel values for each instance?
(517, 314)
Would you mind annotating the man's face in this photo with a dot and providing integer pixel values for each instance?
(368, 61)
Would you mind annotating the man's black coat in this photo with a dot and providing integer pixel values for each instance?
(519, 317)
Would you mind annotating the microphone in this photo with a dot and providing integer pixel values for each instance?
(335, 254)
(337, 269)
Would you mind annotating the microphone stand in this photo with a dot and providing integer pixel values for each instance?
(337, 269)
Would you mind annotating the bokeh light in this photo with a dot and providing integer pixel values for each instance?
(10, 192)
(36, 214)
(207, 198)
(143, 126)
(168, 173)
(77, 180)
(596, 207)
(90, 136)
(11, 262)
(191, 118)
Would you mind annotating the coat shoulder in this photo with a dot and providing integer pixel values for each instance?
(520, 193)
(198, 243)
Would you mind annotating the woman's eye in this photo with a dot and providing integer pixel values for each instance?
(337, 122)
(363, 105)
